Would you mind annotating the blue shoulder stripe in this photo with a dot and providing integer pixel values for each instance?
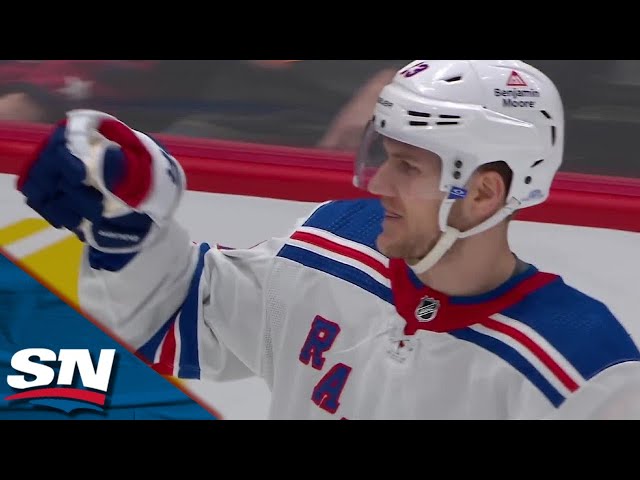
(359, 221)
(579, 327)
(515, 359)
(337, 269)
(356, 220)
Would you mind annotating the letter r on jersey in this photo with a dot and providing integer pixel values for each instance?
(320, 339)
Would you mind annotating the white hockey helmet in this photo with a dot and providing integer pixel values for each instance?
(470, 113)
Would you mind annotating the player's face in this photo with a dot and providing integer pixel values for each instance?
(407, 184)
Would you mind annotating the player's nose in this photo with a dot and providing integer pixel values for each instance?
(381, 183)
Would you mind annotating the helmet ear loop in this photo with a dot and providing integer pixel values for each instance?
(444, 243)
(450, 234)
(508, 209)
(512, 205)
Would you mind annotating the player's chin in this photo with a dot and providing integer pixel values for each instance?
(390, 245)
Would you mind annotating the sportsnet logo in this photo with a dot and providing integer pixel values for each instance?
(47, 386)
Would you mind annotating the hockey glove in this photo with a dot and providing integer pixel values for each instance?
(112, 186)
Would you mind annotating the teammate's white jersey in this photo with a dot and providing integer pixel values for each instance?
(340, 332)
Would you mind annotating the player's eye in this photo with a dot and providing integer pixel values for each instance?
(408, 167)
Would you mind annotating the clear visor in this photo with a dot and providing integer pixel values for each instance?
(385, 167)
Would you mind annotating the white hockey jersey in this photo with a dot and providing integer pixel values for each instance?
(338, 331)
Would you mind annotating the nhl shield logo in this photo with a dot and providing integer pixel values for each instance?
(427, 309)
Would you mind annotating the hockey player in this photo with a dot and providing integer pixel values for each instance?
(409, 306)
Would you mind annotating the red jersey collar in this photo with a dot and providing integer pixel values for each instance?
(424, 308)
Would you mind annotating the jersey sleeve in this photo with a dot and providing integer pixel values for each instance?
(191, 310)
(613, 394)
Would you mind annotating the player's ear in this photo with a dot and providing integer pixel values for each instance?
(487, 193)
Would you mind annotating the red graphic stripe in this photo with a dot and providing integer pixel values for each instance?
(167, 353)
(69, 393)
(137, 182)
(543, 356)
(342, 250)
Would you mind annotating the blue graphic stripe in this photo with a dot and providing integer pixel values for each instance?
(356, 220)
(189, 364)
(149, 349)
(513, 358)
(578, 326)
(337, 269)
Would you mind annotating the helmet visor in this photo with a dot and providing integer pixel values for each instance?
(385, 166)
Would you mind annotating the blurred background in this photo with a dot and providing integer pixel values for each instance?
(320, 104)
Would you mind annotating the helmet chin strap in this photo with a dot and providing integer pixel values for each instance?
(450, 234)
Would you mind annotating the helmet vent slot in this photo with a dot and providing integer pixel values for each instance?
(449, 120)
(457, 78)
(444, 119)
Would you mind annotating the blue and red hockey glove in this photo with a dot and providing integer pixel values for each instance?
(114, 187)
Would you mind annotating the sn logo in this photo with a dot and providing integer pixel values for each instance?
(39, 381)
